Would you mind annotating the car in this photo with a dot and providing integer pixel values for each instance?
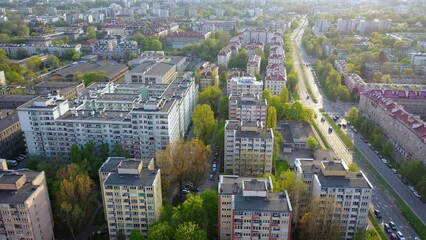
(394, 170)
(417, 194)
(339, 125)
(411, 188)
(380, 156)
(376, 152)
(387, 228)
(416, 238)
(365, 140)
(393, 236)
(377, 213)
(384, 161)
(400, 235)
(12, 163)
(399, 175)
(369, 145)
(307, 97)
(354, 130)
(185, 191)
(323, 119)
(392, 225)
(211, 177)
(389, 165)
(330, 130)
(344, 125)
(404, 181)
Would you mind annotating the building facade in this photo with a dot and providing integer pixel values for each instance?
(350, 192)
(141, 118)
(25, 205)
(249, 209)
(131, 194)
(223, 57)
(11, 140)
(247, 107)
(238, 86)
(253, 65)
(209, 75)
(248, 148)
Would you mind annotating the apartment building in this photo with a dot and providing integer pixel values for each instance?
(260, 34)
(247, 107)
(12, 101)
(209, 75)
(111, 47)
(249, 209)
(150, 72)
(345, 25)
(141, 118)
(253, 65)
(322, 25)
(180, 40)
(66, 89)
(245, 84)
(248, 148)
(406, 130)
(275, 82)
(255, 48)
(131, 193)
(11, 49)
(223, 57)
(275, 68)
(350, 191)
(25, 205)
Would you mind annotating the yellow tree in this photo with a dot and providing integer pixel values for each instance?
(204, 122)
(183, 161)
(271, 120)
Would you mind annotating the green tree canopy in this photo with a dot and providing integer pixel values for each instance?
(204, 122)
(190, 231)
(211, 96)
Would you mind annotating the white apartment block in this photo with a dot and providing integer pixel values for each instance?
(141, 118)
(131, 193)
(345, 25)
(247, 107)
(244, 85)
(37, 49)
(350, 191)
(253, 65)
(223, 57)
(24, 204)
(248, 148)
(151, 72)
(322, 25)
(258, 34)
(249, 209)
(275, 82)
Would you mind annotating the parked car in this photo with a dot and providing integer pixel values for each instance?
(392, 225)
(400, 235)
(393, 236)
(12, 163)
(394, 170)
(417, 194)
(411, 188)
(330, 130)
(387, 228)
(323, 119)
(377, 213)
(211, 177)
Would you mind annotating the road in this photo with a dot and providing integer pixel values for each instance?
(381, 199)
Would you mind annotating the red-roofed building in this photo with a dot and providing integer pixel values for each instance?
(180, 40)
(406, 130)
(275, 82)
(253, 65)
(208, 70)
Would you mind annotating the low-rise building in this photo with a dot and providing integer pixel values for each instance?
(150, 72)
(248, 148)
(349, 192)
(11, 49)
(113, 71)
(223, 57)
(296, 133)
(253, 65)
(275, 82)
(180, 40)
(406, 130)
(209, 75)
(250, 209)
(12, 101)
(25, 205)
(131, 193)
(247, 107)
(11, 139)
(66, 89)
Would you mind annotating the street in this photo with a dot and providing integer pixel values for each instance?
(381, 199)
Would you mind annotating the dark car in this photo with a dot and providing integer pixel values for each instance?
(330, 130)
(393, 236)
(377, 213)
(387, 228)
(392, 225)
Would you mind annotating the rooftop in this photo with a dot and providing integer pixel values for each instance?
(110, 68)
(24, 192)
(268, 202)
(8, 118)
(254, 132)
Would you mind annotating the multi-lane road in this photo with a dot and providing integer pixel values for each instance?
(381, 199)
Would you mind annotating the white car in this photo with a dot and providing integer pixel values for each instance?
(411, 188)
(384, 161)
(400, 235)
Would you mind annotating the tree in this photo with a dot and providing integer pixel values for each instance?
(214, 79)
(183, 161)
(52, 61)
(413, 171)
(353, 167)
(66, 39)
(204, 122)
(312, 142)
(211, 96)
(284, 96)
(342, 93)
(160, 231)
(239, 61)
(319, 222)
(271, 121)
(91, 32)
(190, 231)
(34, 63)
(223, 79)
(197, 76)
(387, 148)
(91, 77)
(352, 116)
(118, 151)
(75, 57)
(223, 107)
(210, 205)
(191, 210)
(136, 235)
(292, 81)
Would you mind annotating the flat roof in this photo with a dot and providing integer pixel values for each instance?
(21, 195)
(92, 115)
(144, 178)
(259, 133)
(16, 98)
(110, 68)
(57, 84)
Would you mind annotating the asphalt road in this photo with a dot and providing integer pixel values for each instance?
(381, 199)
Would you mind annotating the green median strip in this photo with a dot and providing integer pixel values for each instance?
(308, 87)
(323, 139)
(412, 218)
(377, 226)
